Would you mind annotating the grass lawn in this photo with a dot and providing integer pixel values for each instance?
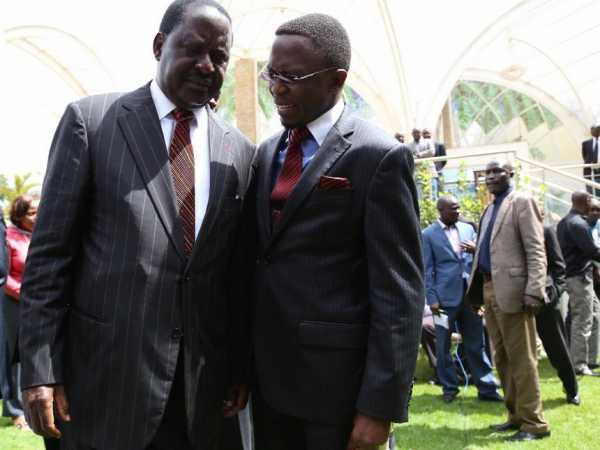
(460, 425)
(13, 439)
(464, 423)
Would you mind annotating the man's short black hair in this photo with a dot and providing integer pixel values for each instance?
(326, 33)
(174, 14)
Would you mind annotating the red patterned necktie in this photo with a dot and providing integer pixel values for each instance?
(181, 156)
(290, 171)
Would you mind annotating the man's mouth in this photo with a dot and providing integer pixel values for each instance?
(284, 108)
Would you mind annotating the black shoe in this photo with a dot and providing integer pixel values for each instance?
(506, 426)
(526, 436)
(575, 400)
(449, 397)
(594, 366)
(495, 397)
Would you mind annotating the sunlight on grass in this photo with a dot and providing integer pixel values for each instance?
(464, 424)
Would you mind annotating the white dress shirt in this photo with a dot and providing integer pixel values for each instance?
(199, 139)
(452, 235)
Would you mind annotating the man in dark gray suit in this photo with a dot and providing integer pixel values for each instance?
(339, 290)
(129, 304)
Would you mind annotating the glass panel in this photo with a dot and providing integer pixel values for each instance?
(532, 118)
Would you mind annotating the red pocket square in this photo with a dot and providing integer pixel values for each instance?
(330, 183)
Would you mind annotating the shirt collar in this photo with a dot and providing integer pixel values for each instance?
(164, 106)
(446, 227)
(320, 127)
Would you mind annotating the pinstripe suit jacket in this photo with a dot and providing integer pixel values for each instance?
(108, 293)
(339, 290)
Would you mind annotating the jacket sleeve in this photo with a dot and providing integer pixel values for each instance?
(242, 271)
(429, 259)
(532, 237)
(12, 286)
(3, 253)
(395, 288)
(556, 263)
(51, 263)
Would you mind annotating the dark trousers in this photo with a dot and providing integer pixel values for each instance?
(172, 431)
(470, 326)
(551, 329)
(276, 431)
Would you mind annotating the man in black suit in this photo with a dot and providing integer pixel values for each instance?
(339, 277)
(129, 303)
(589, 153)
(549, 322)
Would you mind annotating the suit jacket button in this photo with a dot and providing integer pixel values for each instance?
(176, 334)
(258, 261)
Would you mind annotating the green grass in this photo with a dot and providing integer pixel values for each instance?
(460, 425)
(464, 423)
(13, 439)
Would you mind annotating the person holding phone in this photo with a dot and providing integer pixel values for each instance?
(448, 246)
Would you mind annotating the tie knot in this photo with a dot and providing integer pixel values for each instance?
(297, 135)
(180, 114)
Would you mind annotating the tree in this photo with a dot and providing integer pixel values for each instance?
(21, 185)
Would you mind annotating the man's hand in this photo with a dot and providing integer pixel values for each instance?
(532, 305)
(237, 397)
(368, 433)
(39, 404)
(435, 308)
(468, 246)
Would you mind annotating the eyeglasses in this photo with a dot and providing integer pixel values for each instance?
(271, 76)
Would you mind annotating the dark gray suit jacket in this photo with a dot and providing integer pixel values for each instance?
(108, 298)
(339, 285)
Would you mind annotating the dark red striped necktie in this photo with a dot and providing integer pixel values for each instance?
(181, 156)
(290, 171)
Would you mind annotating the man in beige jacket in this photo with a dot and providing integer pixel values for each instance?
(508, 277)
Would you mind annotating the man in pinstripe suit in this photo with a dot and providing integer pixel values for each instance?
(339, 284)
(129, 302)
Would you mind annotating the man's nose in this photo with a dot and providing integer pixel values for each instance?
(204, 64)
(277, 87)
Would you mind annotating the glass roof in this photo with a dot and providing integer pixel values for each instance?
(407, 58)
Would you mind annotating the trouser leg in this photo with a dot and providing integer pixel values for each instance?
(581, 300)
(471, 328)
(519, 364)
(595, 333)
(446, 370)
(551, 330)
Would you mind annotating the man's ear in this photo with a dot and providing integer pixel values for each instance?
(157, 45)
(339, 78)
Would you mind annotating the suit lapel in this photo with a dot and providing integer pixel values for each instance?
(141, 127)
(220, 155)
(334, 146)
(504, 207)
(267, 163)
(485, 221)
(444, 238)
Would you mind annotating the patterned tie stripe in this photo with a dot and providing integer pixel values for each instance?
(290, 172)
(181, 156)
